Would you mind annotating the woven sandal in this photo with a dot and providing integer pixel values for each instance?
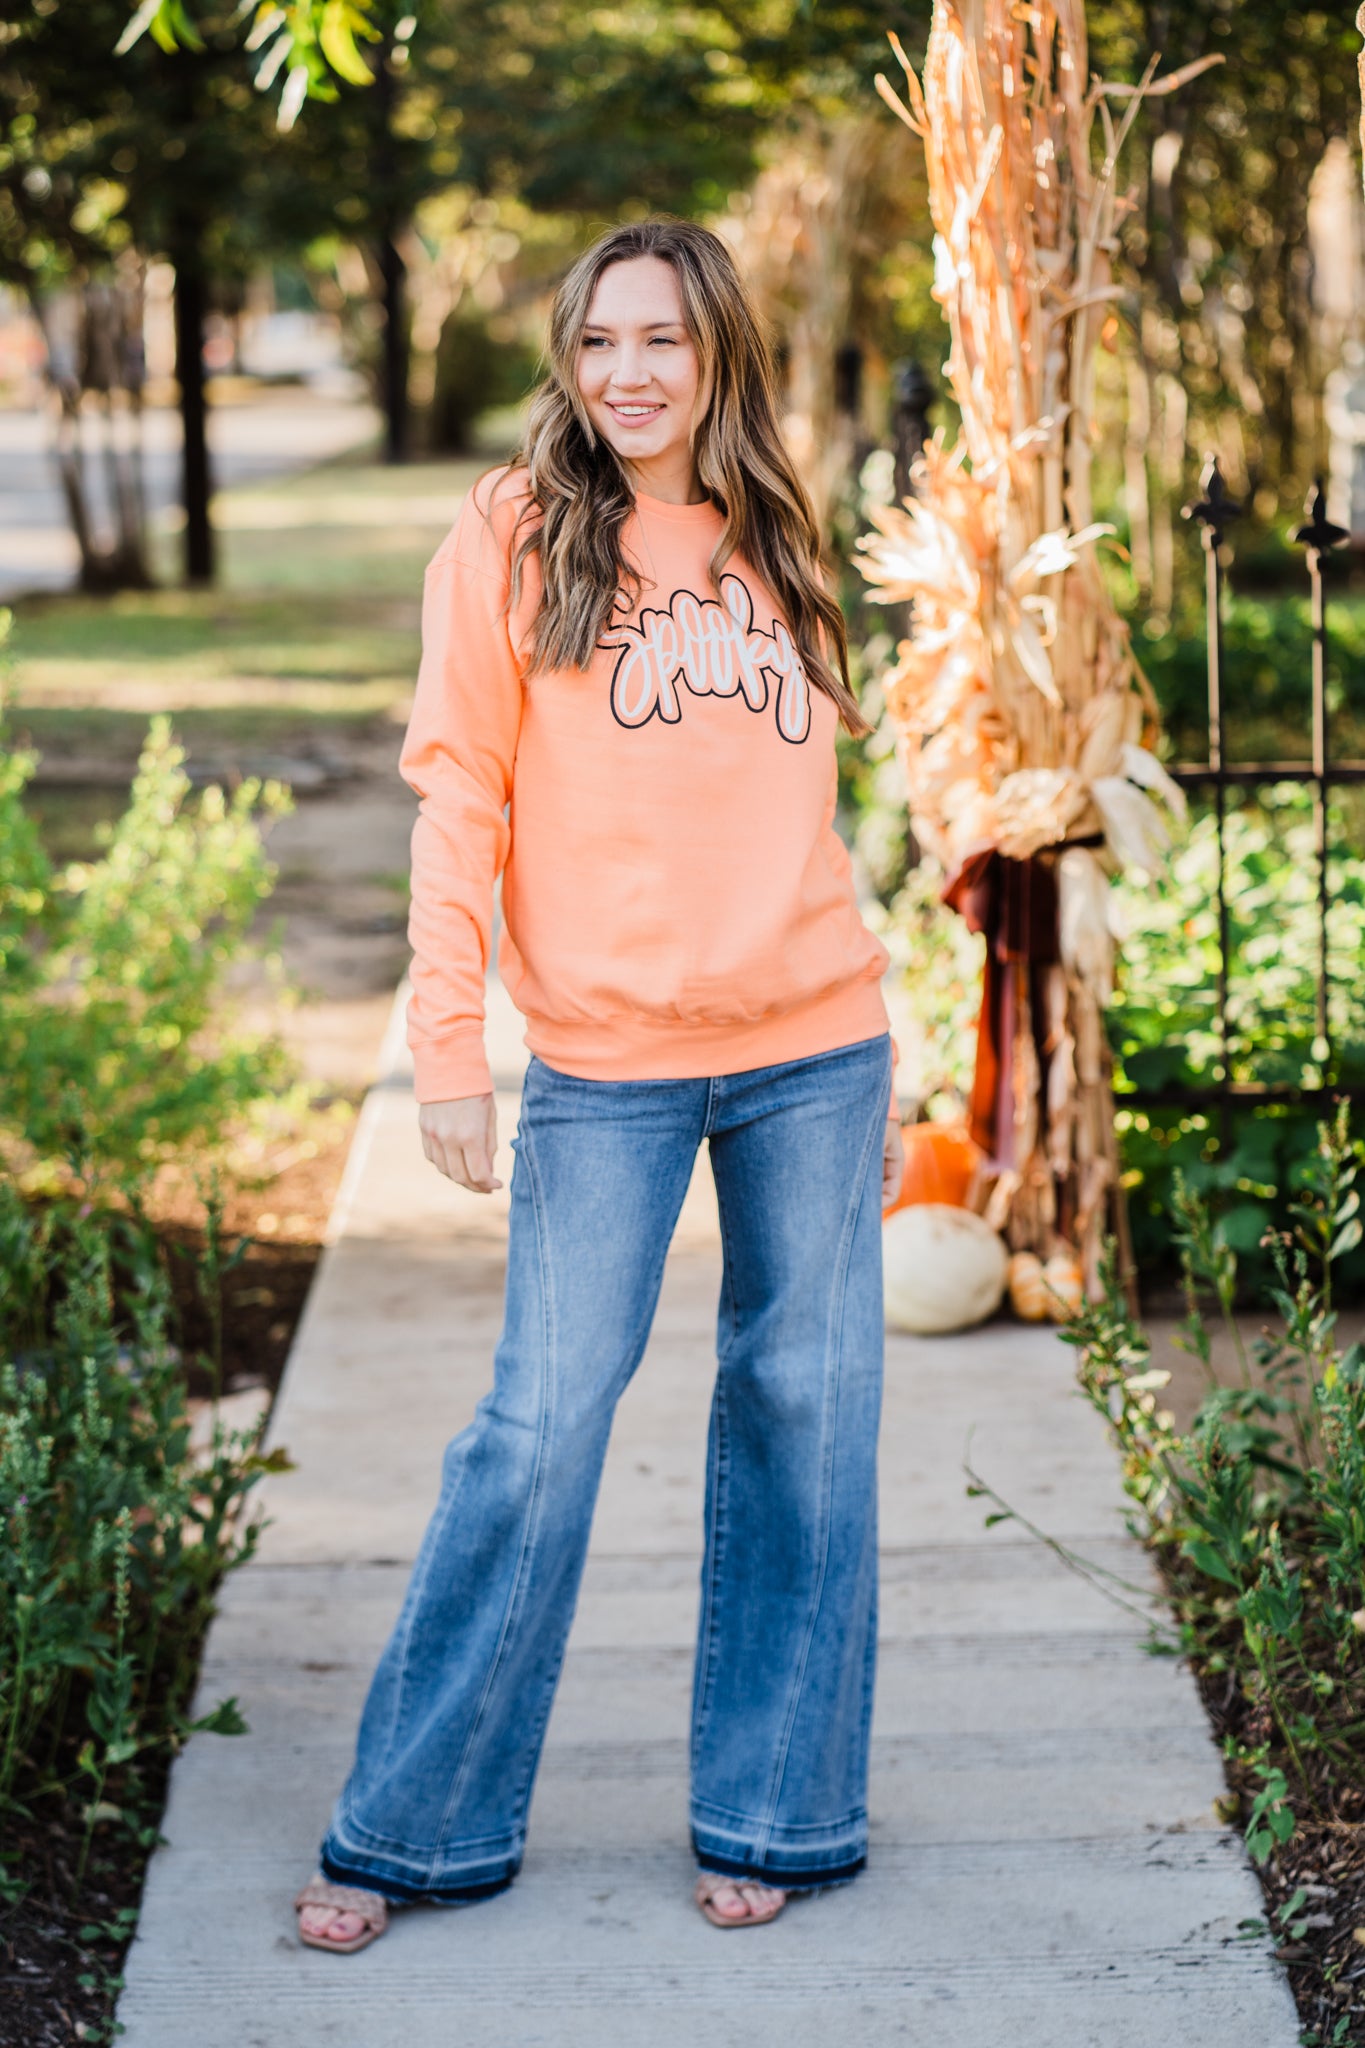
(710, 1882)
(343, 1898)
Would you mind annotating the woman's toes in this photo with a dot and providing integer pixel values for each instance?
(729, 1902)
(325, 1923)
(762, 1898)
(733, 1902)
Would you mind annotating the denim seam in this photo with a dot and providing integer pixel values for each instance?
(834, 1372)
(870, 1652)
(706, 1632)
(462, 1769)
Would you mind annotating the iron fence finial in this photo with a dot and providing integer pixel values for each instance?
(1215, 509)
(1318, 532)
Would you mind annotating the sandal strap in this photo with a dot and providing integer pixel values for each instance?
(345, 1898)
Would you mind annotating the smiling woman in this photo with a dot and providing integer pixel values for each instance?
(631, 681)
(639, 377)
(662, 382)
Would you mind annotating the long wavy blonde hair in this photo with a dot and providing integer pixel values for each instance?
(581, 497)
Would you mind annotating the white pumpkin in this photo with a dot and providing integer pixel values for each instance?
(945, 1268)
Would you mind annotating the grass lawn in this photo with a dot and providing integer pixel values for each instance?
(311, 631)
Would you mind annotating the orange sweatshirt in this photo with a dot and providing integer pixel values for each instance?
(676, 901)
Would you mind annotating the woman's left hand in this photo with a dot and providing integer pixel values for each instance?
(893, 1161)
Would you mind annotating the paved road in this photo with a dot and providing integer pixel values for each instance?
(1046, 1868)
(248, 441)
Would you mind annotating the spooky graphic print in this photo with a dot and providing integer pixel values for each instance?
(716, 650)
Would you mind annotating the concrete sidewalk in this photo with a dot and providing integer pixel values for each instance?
(1046, 1868)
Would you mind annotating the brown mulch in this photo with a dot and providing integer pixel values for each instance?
(1322, 1943)
(62, 1943)
(283, 1220)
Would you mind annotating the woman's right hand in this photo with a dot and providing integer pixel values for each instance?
(460, 1139)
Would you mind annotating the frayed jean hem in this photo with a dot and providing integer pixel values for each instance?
(378, 1875)
(785, 1874)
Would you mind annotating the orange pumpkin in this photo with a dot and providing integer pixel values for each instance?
(941, 1162)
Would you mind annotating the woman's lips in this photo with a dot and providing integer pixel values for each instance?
(634, 416)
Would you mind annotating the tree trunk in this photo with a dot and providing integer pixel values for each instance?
(113, 326)
(190, 307)
(93, 362)
(389, 222)
(393, 271)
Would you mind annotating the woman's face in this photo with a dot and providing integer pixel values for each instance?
(638, 373)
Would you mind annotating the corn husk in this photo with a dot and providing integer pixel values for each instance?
(1025, 722)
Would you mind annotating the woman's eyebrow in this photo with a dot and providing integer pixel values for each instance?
(650, 327)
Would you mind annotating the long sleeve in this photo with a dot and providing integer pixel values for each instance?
(458, 754)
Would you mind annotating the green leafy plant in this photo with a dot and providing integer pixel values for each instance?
(116, 1049)
(118, 1530)
(1258, 1508)
(1267, 642)
(309, 43)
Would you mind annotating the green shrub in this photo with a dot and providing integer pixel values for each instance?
(1162, 1022)
(481, 362)
(1267, 656)
(116, 1534)
(1259, 1507)
(115, 1052)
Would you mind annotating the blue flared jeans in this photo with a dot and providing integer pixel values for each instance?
(435, 1806)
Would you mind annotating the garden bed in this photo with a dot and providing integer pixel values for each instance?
(1246, 1474)
(1314, 1884)
(63, 1936)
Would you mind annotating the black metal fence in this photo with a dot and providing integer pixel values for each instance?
(1213, 513)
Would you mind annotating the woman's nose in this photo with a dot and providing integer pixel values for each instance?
(631, 370)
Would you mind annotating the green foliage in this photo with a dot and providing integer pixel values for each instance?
(117, 1530)
(1259, 1507)
(939, 996)
(113, 1051)
(477, 368)
(307, 44)
(1162, 1021)
(100, 154)
(1267, 656)
(1217, 242)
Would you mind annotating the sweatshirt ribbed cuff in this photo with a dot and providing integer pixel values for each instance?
(450, 1068)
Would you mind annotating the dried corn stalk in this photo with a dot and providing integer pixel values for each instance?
(792, 234)
(1027, 727)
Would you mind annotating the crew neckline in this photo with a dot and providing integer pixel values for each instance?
(692, 514)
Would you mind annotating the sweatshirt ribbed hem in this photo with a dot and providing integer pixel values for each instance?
(639, 1048)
